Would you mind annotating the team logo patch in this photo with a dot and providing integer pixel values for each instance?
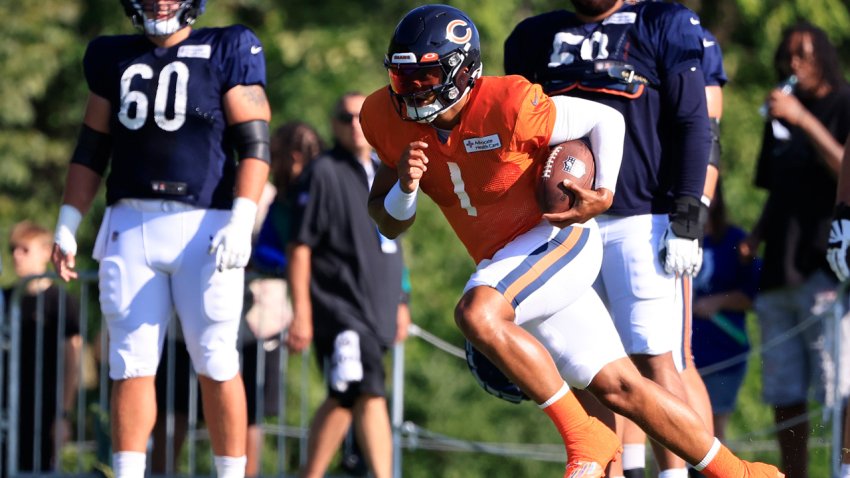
(484, 143)
(620, 18)
(574, 167)
(453, 37)
(403, 58)
(194, 51)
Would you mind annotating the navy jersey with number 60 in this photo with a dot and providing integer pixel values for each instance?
(641, 61)
(167, 121)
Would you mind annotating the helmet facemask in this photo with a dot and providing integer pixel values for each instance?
(162, 18)
(424, 89)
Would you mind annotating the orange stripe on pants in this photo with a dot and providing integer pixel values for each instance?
(550, 258)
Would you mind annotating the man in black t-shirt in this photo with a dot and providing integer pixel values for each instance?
(30, 247)
(800, 158)
(346, 282)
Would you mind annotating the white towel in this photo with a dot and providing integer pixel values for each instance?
(346, 366)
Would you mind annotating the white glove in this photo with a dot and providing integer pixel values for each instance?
(66, 229)
(232, 244)
(679, 255)
(836, 251)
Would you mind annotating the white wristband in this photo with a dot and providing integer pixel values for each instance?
(244, 212)
(66, 228)
(399, 204)
(712, 452)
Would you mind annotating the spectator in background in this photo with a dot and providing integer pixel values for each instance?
(346, 283)
(30, 246)
(724, 291)
(800, 157)
(293, 146)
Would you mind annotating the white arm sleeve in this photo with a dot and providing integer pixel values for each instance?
(577, 118)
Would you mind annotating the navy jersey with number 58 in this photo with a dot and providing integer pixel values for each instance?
(167, 121)
(634, 61)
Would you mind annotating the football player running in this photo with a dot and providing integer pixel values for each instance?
(166, 111)
(472, 144)
(644, 61)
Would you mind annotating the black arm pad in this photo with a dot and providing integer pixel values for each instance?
(714, 152)
(93, 150)
(687, 218)
(251, 140)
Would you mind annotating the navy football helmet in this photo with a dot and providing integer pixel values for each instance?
(491, 378)
(433, 60)
(163, 17)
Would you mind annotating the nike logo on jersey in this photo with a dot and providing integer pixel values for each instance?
(535, 100)
(694, 21)
(708, 43)
(194, 51)
(485, 143)
(256, 49)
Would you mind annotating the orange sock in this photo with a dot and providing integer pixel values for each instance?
(719, 462)
(586, 438)
(724, 464)
(565, 411)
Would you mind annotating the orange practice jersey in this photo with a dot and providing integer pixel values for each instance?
(484, 177)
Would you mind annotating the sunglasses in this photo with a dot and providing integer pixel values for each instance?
(346, 117)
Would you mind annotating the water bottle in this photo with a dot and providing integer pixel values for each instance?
(786, 87)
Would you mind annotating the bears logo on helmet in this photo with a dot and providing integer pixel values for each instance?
(433, 60)
(491, 378)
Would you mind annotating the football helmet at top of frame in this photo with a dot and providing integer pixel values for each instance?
(433, 60)
(163, 17)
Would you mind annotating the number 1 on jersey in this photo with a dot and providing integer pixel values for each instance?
(457, 181)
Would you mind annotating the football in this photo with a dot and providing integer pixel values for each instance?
(571, 160)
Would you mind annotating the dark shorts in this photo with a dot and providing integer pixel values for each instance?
(723, 386)
(371, 356)
(182, 364)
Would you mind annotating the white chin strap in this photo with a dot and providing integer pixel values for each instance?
(160, 28)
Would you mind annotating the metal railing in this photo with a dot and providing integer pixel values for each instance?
(89, 438)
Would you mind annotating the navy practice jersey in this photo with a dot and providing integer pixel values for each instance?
(167, 123)
(644, 61)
